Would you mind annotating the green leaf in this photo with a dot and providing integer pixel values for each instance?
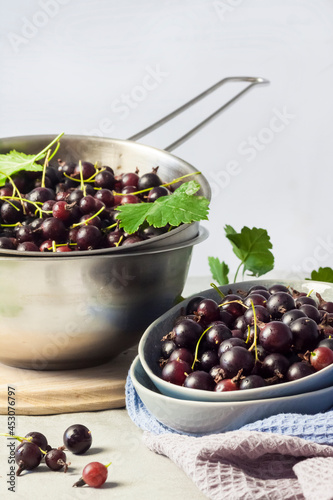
(14, 162)
(323, 274)
(189, 188)
(131, 216)
(182, 207)
(219, 270)
(252, 246)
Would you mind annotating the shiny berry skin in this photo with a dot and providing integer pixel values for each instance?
(183, 354)
(217, 334)
(208, 310)
(157, 192)
(27, 456)
(300, 301)
(276, 337)
(46, 246)
(95, 474)
(130, 179)
(274, 363)
(226, 385)
(87, 204)
(256, 298)
(278, 288)
(41, 195)
(167, 348)
(27, 246)
(305, 334)
(105, 180)
(149, 180)
(261, 314)
(321, 357)
(55, 459)
(311, 312)
(176, 371)
(60, 210)
(192, 306)
(299, 370)
(53, 229)
(208, 360)
(12, 212)
(279, 303)
(199, 380)
(129, 199)
(24, 233)
(326, 343)
(85, 168)
(230, 343)
(236, 359)
(186, 333)
(290, 316)
(77, 439)
(37, 438)
(6, 243)
(88, 237)
(106, 196)
(252, 382)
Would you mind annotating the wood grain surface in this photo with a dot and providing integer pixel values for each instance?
(52, 392)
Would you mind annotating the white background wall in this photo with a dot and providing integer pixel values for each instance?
(69, 64)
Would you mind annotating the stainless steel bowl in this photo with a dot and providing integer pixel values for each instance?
(122, 156)
(83, 308)
(71, 313)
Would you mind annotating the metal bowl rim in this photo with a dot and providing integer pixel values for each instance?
(202, 235)
(114, 250)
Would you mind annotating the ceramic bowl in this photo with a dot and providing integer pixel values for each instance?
(150, 346)
(203, 417)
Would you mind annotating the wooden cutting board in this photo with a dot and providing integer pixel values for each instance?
(51, 392)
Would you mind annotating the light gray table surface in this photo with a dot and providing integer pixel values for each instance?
(136, 472)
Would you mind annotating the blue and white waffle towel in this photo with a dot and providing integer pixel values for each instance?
(286, 456)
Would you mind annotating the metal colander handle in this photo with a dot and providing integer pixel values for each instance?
(252, 80)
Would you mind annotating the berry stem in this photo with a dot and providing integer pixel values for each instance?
(217, 290)
(197, 346)
(42, 153)
(55, 151)
(255, 332)
(83, 187)
(238, 268)
(46, 163)
(90, 218)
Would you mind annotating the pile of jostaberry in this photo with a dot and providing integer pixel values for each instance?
(34, 449)
(249, 340)
(73, 206)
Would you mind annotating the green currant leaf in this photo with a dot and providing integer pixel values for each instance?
(252, 246)
(219, 270)
(182, 207)
(323, 274)
(131, 216)
(14, 162)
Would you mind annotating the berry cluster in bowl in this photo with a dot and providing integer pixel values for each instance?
(249, 340)
(74, 207)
